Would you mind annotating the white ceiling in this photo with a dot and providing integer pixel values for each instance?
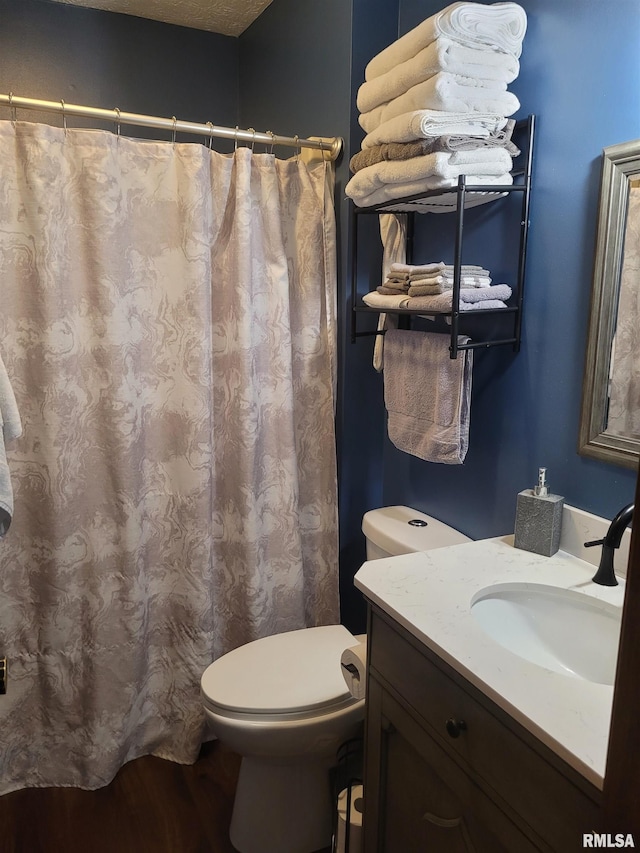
(228, 17)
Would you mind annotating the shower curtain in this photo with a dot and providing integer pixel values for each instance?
(167, 322)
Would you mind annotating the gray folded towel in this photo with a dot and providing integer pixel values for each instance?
(427, 395)
(10, 428)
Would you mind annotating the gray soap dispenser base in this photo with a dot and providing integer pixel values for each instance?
(538, 519)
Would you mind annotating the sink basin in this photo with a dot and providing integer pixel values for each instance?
(559, 629)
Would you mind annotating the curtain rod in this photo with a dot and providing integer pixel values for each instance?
(208, 130)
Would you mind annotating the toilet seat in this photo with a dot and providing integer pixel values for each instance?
(292, 676)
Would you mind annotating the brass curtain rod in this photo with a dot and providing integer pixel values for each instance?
(333, 146)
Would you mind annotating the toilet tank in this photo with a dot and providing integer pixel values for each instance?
(394, 530)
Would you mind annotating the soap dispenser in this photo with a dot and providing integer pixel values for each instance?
(538, 519)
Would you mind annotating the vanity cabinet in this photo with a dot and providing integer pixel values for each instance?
(456, 201)
(447, 771)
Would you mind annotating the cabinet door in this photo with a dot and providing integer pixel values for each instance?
(410, 805)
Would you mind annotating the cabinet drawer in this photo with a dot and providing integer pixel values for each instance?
(514, 768)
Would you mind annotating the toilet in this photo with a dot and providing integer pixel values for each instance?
(282, 704)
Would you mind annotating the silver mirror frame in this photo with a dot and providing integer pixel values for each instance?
(619, 164)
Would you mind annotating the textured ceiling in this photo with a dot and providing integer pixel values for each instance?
(229, 17)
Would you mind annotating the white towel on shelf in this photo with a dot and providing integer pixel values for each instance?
(10, 428)
(438, 165)
(427, 395)
(353, 664)
(390, 192)
(429, 124)
(501, 26)
(445, 92)
(441, 55)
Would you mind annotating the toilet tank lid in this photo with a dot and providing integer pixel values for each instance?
(391, 530)
(284, 673)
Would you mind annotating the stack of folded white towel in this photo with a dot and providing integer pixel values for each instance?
(435, 105)
(429, 288)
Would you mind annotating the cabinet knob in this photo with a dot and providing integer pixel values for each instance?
(455, 727)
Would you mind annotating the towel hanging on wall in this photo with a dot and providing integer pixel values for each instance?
(427, 395)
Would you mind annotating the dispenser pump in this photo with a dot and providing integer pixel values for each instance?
(541, 490)
(538, 518)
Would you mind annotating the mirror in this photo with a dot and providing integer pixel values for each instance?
(610, 421)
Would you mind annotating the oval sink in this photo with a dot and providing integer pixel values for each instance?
(559, 629)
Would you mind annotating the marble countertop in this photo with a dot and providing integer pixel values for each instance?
(429, 594)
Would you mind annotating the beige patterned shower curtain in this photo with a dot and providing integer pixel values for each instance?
(167, 322)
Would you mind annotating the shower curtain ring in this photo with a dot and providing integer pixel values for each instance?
(235, 144)
(173, 132)
(64, 118)
(253, 140)
(210, 126)
(13, 114)
(271, 134)
(296, 139)
(117, 112)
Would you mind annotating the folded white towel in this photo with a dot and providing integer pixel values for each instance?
(445, 92)
(437, 165)
(390, 192)
(441, 55)
(501, 26)
(416, 269)
(429, 124)
(10, 428)
(353, 664)
(427, 395)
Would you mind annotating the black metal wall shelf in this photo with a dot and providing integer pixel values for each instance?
(458, 200)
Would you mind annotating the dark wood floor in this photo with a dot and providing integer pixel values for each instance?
(152, 806)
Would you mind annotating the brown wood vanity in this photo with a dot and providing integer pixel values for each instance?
(448, 771)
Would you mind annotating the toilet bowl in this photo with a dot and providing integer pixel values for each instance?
(282, 704)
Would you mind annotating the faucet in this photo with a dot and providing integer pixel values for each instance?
(606, 575)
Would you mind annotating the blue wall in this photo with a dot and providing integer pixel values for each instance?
(580, 75)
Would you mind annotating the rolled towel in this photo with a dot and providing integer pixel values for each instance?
(392, 151)
(407, 150)
(501, 26)
(441, 55)
(390, 192)
(437, 165)
(353, 664)
(427, 124)
(443, 91)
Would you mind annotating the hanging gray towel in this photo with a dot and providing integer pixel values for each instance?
(10, 428)
(427, 395)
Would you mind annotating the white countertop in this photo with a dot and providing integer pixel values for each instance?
(429, 593)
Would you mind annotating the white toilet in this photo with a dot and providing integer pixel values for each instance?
(282, 704)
